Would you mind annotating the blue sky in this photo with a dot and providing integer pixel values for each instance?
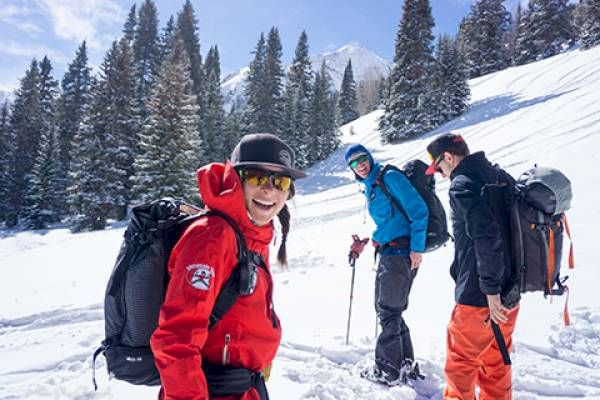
(34, 28)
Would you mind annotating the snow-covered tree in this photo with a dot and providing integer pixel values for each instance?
(7, 154)
(482, 35)
(347, 102)
(170, 148)
(214, 118)
(296, 99)
(546, 30)
(590, 27)
(409, 109)
(450, 81)
(324, 135)
(74, 98)
(26, 125)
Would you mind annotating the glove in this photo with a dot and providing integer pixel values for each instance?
(358, 245)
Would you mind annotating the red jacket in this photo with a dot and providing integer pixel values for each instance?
(246, 336)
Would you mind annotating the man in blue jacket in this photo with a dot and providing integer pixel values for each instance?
(400, 244)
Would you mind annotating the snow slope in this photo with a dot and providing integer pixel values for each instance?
(546, 113)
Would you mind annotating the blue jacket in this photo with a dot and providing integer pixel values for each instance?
(390, 223)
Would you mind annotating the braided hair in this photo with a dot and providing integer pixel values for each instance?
(284, 220)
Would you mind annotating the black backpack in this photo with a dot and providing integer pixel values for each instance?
(437, 226)
(537, 202)
(137, 286)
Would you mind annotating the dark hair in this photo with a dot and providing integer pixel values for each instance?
(284, 220)
(458, 149)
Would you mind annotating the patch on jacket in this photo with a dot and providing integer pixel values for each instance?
(199, 276)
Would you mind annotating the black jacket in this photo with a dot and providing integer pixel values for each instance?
(481, 227)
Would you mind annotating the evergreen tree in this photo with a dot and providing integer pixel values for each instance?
(511, 35)
(482, 37)
(186, 30)
(450, 81)
(170, 146)
(130, 24)
(26, 124)
(232, 132)
(324, 137)
(214, 118)
(254, 91)
(42, 192)
(164, 41)
(123, 125)
(89, 200)
(590, 27)
(273, 100)
(6, 160)
(347, 102)
(547, 29)
(74, 98)
(146, 51)
(409, 109)
(296, 98)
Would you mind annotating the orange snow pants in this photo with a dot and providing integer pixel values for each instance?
(473, 357)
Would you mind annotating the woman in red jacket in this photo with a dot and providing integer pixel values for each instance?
(251, 189)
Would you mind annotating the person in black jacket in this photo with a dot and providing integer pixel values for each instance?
(482, 270)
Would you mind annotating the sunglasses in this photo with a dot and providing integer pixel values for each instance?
(436, 165)
(257, 177)
(359, 160)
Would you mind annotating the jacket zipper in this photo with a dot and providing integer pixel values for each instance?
(225, 360)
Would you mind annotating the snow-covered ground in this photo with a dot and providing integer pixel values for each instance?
(546, 113)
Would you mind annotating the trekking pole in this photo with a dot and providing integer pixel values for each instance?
(352, 265)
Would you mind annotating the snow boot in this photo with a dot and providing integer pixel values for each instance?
(375, 374)
(410, 371)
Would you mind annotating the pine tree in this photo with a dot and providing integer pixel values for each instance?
(482, 37)
(409, 111)
(273, 100)
(6, 159)
(26, 124)
(164, 41)
(450, 81)
(170, 147)
(546, 30)
(254, 119)
(232, 132)
(146, 51)
(41, 198)
(89, 200)
(347, 102)
(323, 133)
(123, 125)
(186, 30)
(75, 97)
(511, 35)
(130, 24)
(590, 27)
(296, 98)
(214, 118)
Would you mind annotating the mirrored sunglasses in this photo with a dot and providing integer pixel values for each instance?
(359, 160)
(257, 177)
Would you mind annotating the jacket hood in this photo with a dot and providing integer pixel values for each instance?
(360, 149)
(221, 189)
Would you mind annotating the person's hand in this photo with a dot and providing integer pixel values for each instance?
(357, 247)
(497, 310)
(415, 259)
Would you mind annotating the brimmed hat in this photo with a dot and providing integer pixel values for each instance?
(439, 146)
(265, 150)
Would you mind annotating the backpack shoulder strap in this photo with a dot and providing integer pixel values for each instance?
(379, 181)
(232, 288)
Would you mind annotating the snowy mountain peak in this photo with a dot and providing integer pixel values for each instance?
(366, 66)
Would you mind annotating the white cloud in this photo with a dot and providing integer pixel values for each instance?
(77, 20)
(19, 17)
(15, 49)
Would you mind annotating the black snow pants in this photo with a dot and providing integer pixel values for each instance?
(392, 286)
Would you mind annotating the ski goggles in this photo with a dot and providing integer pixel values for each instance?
(258, 177)
(358, 160)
